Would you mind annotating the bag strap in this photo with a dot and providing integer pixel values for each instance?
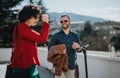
(13, 43)
(76, 57)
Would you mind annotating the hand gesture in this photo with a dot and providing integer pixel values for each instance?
(45, 18)
(76, 46)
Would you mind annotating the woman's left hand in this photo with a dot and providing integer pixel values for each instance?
(45, 18)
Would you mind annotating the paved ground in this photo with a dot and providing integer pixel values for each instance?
(2, 70)
(44, 72)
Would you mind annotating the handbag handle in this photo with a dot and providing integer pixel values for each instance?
(76, 57)
(13, 43)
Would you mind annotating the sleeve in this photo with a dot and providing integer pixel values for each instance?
(53, 41)
(30, 34)
(77, 39)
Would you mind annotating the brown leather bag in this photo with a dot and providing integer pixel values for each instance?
(76, 71)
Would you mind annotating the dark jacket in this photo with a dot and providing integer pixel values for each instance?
(58, 58)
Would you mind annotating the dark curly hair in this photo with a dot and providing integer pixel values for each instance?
(29, 11)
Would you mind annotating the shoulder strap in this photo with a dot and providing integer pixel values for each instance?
(16, 31)
(76, 57)
(13, 42)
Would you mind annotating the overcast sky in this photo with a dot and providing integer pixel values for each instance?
(108, 9)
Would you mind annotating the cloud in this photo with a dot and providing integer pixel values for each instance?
(110, 13)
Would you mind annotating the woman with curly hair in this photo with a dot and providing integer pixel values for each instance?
(25, 55)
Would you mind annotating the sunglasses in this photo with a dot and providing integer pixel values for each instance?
(64, 21)
(37, 17)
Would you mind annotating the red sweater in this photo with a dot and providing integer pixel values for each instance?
(25, 45)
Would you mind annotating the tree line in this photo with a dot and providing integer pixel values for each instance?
(87, 35)
(8, 20)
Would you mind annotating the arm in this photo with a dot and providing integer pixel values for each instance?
(52, 42)
(76, 45)
(78, 41)
(28, 33)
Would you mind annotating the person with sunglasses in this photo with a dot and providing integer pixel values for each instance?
(25, 54)
(72, 43)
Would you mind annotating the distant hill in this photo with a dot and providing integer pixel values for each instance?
(76, 17)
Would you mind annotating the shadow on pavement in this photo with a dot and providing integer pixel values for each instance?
(45, 73)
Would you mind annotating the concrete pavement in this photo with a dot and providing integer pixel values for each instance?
(2, 70)
(44, 70)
